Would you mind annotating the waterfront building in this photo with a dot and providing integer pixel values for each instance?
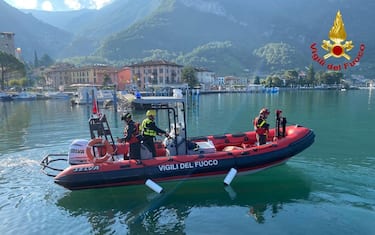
(64, 74)
(158, 72)
(205, 77)
(125, 79)
(58, 75)
(94, 75)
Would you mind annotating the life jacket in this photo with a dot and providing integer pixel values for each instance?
(147, 131)
(135, 135)
(260, 125)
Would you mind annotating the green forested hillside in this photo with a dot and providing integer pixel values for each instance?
(228, 37)
(31, 34)
(90, 27)
(236, 36)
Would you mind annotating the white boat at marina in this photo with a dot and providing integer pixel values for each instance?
(255, 88)
(105, 95)
(56, 95)
(85, 92)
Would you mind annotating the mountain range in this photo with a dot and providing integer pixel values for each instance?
(234, 36)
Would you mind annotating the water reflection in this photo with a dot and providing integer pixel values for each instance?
(39, 124)
(15, 119)
(193, 108)
(141, 211)
(369, 97)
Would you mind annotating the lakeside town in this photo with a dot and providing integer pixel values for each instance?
(157, 77)
(148, 117)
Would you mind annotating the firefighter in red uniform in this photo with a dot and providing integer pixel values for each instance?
(261, 126)
(131, 133)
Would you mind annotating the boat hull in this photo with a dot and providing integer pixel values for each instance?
(245, 160)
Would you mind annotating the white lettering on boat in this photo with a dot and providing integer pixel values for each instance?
(82, 151)
(89, 168)
(188, 165)
(206, 163)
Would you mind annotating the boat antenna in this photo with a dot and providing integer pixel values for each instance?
(278, 123)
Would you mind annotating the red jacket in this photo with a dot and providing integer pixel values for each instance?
(131, 132)
(261, 126)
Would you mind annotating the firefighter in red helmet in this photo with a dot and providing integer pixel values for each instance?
(261, 126)
(131, 133)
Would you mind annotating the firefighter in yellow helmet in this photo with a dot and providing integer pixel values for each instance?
(261, 126)
(150, 131)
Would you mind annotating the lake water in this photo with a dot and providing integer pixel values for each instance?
(327, 189)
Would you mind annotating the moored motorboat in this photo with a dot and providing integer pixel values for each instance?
(5, 96)
(57, 95)
(25, 96)
(100, 162)
(86, 92)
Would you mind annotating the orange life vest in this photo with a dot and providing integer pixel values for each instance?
(135, 134)
(261, 126)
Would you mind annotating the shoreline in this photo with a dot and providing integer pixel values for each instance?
(280, 89)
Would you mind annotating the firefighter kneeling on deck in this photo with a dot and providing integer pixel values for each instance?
(150, 131)
(261, 126)
(132, 136)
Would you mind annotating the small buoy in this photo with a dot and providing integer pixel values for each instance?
(154, 186)
(231, 174)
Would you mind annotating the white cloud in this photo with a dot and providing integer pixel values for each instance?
(52, 5)
(22, 4)
(47, 6)
(73, 4)
(97, 4)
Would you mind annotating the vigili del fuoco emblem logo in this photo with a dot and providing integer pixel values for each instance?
(337, 46)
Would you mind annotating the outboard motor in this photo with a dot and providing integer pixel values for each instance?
(280, 124)
(76, 153)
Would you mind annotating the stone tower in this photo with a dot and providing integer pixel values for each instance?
(7, 43)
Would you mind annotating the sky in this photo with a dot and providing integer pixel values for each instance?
(58, 5)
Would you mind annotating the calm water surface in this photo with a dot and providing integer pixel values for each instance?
(327, 189)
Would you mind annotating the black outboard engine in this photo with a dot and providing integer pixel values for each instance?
(280, 124)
